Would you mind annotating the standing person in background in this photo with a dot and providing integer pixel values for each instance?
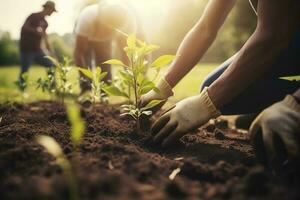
(97, 26)
(32, 34)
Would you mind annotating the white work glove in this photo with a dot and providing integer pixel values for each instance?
(186, 115)
(165, 91)
(275, 133)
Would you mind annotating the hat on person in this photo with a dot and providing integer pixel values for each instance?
(50, 4)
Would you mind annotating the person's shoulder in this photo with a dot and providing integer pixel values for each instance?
(35, 15)
(88, 10)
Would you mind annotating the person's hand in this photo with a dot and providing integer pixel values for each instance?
(165, 91)
(275, 133)
(186, 115)
(40, 31)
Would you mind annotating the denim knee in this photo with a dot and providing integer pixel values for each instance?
(207, 82)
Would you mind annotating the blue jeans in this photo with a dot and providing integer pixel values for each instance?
(269, 88)
(37, 56)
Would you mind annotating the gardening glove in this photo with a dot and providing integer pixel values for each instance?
(165, 91)
(186, 115)
(275, 133)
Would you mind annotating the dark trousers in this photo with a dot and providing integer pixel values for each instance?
(270, 88)
(39, 57)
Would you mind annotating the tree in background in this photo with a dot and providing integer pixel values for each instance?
(9, 53)
(61, 45)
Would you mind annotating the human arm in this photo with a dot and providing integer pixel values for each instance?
(277, 22)
(192, 48)
(198, 40)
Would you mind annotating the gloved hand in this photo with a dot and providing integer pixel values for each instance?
(186, 115)
(275, 133)
(165, 91)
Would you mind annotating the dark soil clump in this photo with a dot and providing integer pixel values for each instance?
(112, 162)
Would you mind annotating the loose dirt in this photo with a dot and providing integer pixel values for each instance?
(112, 162)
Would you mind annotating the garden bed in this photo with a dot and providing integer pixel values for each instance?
(112, 162)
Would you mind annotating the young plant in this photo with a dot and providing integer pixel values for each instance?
(97, 84)
(22, 84)
(133, 77)
(77, 124)
(55, 150)
(47, 84)
(62, 87)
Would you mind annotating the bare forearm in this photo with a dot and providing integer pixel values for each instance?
(253, 60)
(199, 39)
(191, 50)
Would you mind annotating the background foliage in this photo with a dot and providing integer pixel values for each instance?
(179, 19)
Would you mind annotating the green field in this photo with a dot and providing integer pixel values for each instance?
(9, 92)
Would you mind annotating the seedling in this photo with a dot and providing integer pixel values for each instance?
(133, 78)
(22, 84)
(77, 124)
(96, 76)
(47, 84)
(55, 150)
(62, 86)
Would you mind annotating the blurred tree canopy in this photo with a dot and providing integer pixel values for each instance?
(61, 45)
(9, 52)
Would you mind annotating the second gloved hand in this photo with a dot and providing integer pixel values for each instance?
(275, 133)
(186, 115)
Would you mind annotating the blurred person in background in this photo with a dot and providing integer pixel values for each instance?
(247, 83)
(96, 28)
(32, 34)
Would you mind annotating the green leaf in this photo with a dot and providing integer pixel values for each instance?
(163, 61)
(88, 73)
(114, 91)
(147, 49)
(131, 41)
(145, 86)
(152, 104)
(77, 124)
(115, 62)
(98, 70)
(101, 76)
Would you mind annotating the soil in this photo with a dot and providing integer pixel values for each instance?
(112, 162)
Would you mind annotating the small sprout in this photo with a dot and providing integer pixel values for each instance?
(55, 150)
(96, 76)
(77, 124)
(47, 84)
(174, 173)
(133, 82)
(62, 86)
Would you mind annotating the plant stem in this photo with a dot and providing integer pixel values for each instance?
(136, 102)
(71, 180)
